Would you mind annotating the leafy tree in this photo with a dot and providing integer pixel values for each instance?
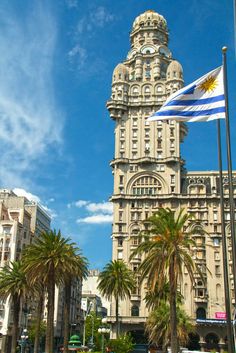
(13, 283)
(78, 269)
(33, 329)
(167, 248)
(158, 325)
(49, 260)
(123, 344)
(93, 323)
(116, 280)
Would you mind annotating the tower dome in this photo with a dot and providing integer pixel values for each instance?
(174, 71)
(149, 18)
(120, 73)
(151, 28)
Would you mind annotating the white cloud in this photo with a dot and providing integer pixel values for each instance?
(27, 104)
(28, 195)
(96, 219)
(101, 17)
(81, 203)
(34, 198)
(85, 29)
(104, 207)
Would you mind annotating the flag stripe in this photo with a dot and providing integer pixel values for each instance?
(186, 102)
(190, 112)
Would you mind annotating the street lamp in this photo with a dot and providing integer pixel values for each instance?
(103, 331)
(24, 337)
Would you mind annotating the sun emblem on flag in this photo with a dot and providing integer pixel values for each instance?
(209, 84)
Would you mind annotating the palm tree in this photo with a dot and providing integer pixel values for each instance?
(13, 283)
(49, 259)
(116, 280)
(167, 248)
(78, 269)
(158, 325)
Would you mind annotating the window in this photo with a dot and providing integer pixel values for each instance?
(217, 256)
(122, 145)
(159, 133)
(215, 215)
(147, 132)
(216, 241)
(120, 242)
(201, 313)
(120, 254)
(135, 122)
(147, 185)
(147, 89)
(135, 133)
(120, 215)
(134, 145)
(122, 133)
(172, 179)
(217, 269)
(159, 155)
(135, 310)
(120, 228)
(121, 179)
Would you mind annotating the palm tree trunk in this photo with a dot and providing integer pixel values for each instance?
(173, 313)
(66, 315)
(50, 312)
(117, 318)
(38, 321)
(15, 327)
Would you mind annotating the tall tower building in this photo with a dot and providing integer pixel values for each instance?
(149, 173)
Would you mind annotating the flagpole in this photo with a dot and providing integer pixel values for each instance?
(228, 302)
(230, 178)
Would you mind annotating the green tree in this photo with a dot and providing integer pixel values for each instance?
(78, 269)
(158, 325)
(13, 283)
(93, 323)
(116, 280)
(122, 344)
(49, 259)
(167, 248)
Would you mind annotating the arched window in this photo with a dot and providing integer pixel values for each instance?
(135, 90)
(212, 342)
(201, 313)
(146, 185)
(135, 310)
(147, 89)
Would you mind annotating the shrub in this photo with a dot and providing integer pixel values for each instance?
(123, 344)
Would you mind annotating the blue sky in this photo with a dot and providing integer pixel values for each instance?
(56, 63)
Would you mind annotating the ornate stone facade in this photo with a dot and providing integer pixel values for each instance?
(149, 173)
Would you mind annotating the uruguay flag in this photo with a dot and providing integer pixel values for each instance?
(202, 100)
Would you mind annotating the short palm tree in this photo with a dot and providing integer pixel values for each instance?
(167, 248)
(13, 283)
(49, 259)
(116, 280)
(158, 325)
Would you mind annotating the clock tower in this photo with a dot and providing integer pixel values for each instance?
(147, 164)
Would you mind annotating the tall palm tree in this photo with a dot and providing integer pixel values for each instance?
(167, 248)
(13, 283)
(116, 280)
(49, 259)
(78, 269)
(158, 325)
